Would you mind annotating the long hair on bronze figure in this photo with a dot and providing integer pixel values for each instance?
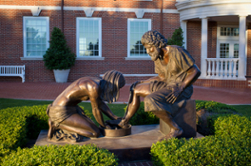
(112, 81)
(154, 38)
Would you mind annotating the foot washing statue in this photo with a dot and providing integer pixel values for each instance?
(68, 121)
(176, 71)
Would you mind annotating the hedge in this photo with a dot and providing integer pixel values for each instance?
(229, 146)
(141, 117)
(61, 155)
(18, 124)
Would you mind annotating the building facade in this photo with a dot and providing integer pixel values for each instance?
(105, 35)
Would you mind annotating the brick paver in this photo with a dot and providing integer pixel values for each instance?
(50, 90)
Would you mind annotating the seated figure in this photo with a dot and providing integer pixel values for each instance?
(65, 114)
(176, 71)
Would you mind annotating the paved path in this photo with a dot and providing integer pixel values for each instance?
(50, 90)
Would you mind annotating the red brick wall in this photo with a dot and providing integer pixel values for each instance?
(114, 39)
(114, 43)
(222, 83)
(170, 4)
(194, 40)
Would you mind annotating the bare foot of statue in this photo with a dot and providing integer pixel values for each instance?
(123, 124)
(173, 133)
(51, 129)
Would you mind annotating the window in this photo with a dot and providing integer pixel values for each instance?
(229, 31)
(228, 42)
(36, 36)
(89, 37)
(135, 29)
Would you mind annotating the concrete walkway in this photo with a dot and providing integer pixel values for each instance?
(50, 90)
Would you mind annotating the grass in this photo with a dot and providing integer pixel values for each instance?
(243, 109)
(117, 109)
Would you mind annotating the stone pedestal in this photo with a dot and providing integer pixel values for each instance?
(185, 117)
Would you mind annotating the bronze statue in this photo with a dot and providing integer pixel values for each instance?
(64, 113)
(176, 71)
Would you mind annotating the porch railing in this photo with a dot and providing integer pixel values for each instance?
(222, 68)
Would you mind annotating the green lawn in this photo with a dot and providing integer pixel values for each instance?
(243, 109)
(117, 109)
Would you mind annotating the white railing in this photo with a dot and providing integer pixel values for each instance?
(222, 68)
(9, 70)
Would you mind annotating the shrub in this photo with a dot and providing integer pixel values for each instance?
(177, 38)
(233, 126)
(17, 124)
(208, 112)
(215, 107)
(61, 155)
(142, 118)
(210, 150)
(58, 55)
(230, 146)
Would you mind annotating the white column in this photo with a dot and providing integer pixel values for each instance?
(183, 25)
(204, 34)
(242, 47)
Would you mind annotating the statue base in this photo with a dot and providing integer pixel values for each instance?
(185, 117)
(116, 132)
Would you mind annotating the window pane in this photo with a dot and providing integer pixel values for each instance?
(36, 36)
(229, 31)
(224, 50)
(137, 29)
(236, 50)
(88, 37)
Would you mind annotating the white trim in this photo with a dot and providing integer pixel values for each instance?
(114, 9)
(140, 13)
(136, 75)
(204, 48)
(200, 3)
(225, 39)
(242, 45)
(208, 78)
(138, 58)
(24, 35)
(210, 8)
(142, 0)
(90, 58)
(183, 25)
(174, 11)
(89, 12)
(129, 20)
(31, 58)
(88, 8)
(100, 38)
(35, 10)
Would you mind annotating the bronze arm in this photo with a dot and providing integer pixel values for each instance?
(193, 74)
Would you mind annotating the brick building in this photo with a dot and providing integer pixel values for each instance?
(105, 35)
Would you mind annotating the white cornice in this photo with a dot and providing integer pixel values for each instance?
(209, 8)
(200, 3)
(88, 10)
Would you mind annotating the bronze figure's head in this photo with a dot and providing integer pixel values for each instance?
(153, 41)
(154, 38)
(113, 81)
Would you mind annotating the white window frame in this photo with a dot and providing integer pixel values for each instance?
(129, 57)
(226, 39)
(99, 57)
(25, 57)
